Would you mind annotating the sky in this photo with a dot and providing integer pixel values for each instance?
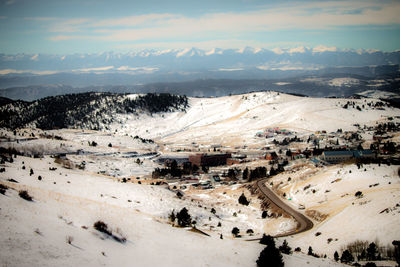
(94, 26)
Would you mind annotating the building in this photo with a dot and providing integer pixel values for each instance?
(168, 159)
(345, 155)
(209, 159)
(271, 156)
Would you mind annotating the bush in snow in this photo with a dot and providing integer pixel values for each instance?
(24, 194)
(358, 194)
(3, 189)
(172, 216)
(285, 248)
(370, 264)
(264, 214)
(102, 227)
(243, 200)
(69, 239)
(250, 232)
(235, 231)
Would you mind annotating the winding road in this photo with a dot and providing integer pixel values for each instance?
(305, 224)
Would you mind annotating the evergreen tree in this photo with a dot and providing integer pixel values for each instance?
(346, 257)
(285, 248)
(245, 174)
(235, 231)
(371, 252)
(184, 218)
(396, 245)
(172, 216)
(363, 255)
(243, 200)
(336, 256)
(264, 214)
(270, 256)
(310, 251)
(267, 240)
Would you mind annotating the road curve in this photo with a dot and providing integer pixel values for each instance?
(305, 224)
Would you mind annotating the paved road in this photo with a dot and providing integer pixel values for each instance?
(304, 223)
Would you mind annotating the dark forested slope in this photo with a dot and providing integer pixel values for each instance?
(87, 110)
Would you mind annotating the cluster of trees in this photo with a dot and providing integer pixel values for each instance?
(251, 175)
(85, 110)
(383, 128)
(155, 103)
(174, 170)
(182, 217)
(144, 140)
(362, 250)
(352, 104)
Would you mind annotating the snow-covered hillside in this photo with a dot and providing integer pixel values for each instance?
(234, 120)
(80, 177)
(329, 197)
(56, 228)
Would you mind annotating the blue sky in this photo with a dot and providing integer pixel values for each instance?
(91, 26)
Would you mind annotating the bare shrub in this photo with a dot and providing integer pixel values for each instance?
(25, 195)
(102, 227)
(3, 189)
(69, 239)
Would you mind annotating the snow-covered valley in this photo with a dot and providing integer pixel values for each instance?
(88, 176)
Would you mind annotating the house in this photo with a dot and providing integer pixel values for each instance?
(271, 156)
(345, 155)
(209, 159)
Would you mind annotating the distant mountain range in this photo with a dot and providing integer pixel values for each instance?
(195, 72)
(189, 60)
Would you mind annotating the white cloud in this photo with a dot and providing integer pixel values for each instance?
(133, 20)
(13, 71)
(145, 69)
(233, 69)
(304, 15)
(66, 37)
(96, 69)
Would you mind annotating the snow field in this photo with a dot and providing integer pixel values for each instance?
(348, 218)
